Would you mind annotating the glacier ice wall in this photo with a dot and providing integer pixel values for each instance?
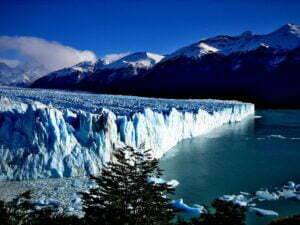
(40, 140)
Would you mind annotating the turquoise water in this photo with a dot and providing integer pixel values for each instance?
(256, 153)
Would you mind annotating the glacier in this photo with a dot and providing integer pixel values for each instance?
(54, 134)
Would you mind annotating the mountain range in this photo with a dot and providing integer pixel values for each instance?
(259, 68)
(23, 74)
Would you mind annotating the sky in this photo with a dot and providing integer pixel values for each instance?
(112, 26)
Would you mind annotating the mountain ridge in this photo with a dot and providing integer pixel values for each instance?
(258, 68)
(226, 44)
(20, 75)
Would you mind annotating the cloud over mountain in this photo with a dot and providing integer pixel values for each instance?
(51, 55)
(10, 62)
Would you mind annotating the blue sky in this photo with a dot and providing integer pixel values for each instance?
(127, 26)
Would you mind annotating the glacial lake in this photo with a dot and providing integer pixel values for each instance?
(260, 152)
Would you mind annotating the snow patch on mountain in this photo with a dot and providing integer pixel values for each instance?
(110, 58)
(63, 137)
(195, 51)
(74, 74)
(80, 68)
(285, 38)
(143, 60)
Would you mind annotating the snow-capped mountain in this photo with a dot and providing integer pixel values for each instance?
(112, 76)
(258, 68)
(262, 69)
(21, 75)
(99, 74)
(67, 77)
(144, 60)
(285, 38)
(80, 69)
(99, 64)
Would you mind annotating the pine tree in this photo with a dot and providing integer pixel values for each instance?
(293, 220)
(4, 213)
(125, 195)
(152, 205)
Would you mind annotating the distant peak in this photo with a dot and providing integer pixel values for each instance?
(139, 54)
(289, 28)
(154, 56)
(291, 25)
(142, 55)
(85, 63)
(136, 55)
(247, 33)
(137, 60)
(100, 63)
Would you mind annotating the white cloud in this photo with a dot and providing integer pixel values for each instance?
(10, 62)
(114, 57)
(52, 55)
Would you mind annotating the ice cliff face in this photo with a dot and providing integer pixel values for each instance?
(40, 140)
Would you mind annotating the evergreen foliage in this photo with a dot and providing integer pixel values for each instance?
(18, 211)
(293, 220)
(125, 195)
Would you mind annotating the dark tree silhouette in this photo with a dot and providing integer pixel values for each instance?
(293, 220)
(4, 213)
(125, 195)
(18, 211)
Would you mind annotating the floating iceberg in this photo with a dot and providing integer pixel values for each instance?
(172, 183)
(266, 195)
(156, 180)
(288, 194)
(264, 212)
(290, 185)
(289, 191)
(46, 133)
(182, 207)
(240, 199)
(277, 136)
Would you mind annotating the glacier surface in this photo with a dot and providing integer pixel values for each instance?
(47, 133)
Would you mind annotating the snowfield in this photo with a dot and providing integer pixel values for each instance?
(47, 133)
